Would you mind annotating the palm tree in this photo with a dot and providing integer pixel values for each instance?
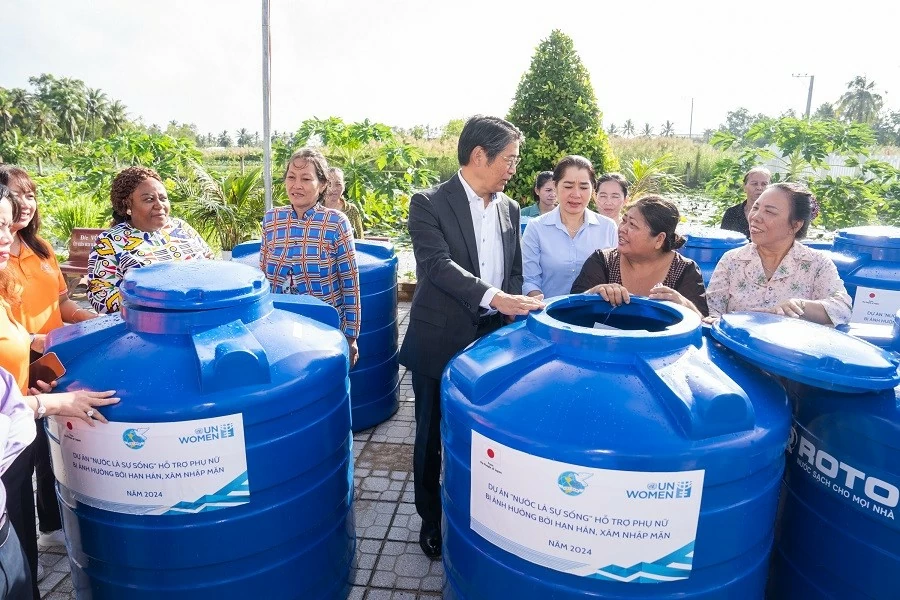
(647, 131)
(628, 128)
(96, 107)
(612, 129)
(8, 112)
(67, 99)
(229, 209)
(43, 120)
(24, 105)
(668, 129)
(860, 103)
(243, 137)
(224, 139)
(116, 119)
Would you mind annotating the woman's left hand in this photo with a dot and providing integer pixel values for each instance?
(792, 307)
(662, 292)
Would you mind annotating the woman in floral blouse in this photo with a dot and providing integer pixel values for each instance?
(776, 273)
(144, 234)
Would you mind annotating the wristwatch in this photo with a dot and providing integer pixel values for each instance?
(42, 410)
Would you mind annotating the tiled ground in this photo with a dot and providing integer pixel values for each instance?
(390, 563)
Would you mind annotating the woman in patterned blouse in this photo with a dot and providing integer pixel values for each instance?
(645, 261)
(307, 248)
(775, 272)
(143, 234)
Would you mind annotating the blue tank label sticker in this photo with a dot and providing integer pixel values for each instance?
(627, 526)
(846, 478)
(185, 467)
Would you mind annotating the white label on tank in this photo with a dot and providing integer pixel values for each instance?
(178, 468)
(628, 526)
(872, 305)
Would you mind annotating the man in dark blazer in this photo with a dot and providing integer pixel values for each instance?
(465, 236)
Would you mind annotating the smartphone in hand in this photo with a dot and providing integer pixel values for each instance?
(48, 368)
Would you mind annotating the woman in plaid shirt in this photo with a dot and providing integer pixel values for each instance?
(308, 249)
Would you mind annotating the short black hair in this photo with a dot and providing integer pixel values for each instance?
(579, 162)
(617, 177)
(491, 133)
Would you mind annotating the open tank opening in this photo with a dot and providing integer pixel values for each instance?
(596, 313)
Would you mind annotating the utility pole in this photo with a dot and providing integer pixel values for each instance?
(267, 104)
(812, 80)
(691, 125)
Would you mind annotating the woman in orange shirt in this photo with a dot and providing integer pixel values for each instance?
(14, 357)
(44, 306)
(45, 301)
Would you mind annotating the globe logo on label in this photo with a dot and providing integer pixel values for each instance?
(572, 483)
(133, 438)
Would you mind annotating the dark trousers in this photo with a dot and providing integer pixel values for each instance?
(49, 518)
(15, 577)
(427, 451)
(20, 509)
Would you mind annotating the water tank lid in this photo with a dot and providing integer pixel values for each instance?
(246, 249)
(193, 285)
(373, 255)
(808, 353)
(712, 237)
(880, 236)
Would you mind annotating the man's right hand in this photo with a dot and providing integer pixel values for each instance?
(512, 305)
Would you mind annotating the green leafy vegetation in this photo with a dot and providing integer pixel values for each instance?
(556, 109)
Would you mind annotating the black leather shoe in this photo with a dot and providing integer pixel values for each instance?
(430, 540)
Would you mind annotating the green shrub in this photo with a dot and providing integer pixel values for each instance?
(70, 213)
(556, 109)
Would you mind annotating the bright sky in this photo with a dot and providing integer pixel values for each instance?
(408, 62)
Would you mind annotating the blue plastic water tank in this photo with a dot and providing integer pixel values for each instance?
(883, 336)
(819, 244)
(226, 471)
(706, 245)
(636, 462)
(246, 253)
(375, 379)
(868, 260)
(838, 534)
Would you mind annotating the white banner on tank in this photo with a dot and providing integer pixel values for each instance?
(628, 526)
(874, 306)
(185, 467)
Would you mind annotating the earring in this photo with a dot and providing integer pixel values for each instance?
(128, 212)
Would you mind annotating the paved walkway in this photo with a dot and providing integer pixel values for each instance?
(390, 563)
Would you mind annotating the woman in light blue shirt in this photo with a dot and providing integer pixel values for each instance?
(556, 244)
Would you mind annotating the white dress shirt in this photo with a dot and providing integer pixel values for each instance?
(489, 244)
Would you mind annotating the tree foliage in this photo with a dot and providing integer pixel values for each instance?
(557, 111)
(871, 195)
(380, 171)
(225, 209)
(860, 103)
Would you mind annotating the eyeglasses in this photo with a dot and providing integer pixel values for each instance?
(512, 161)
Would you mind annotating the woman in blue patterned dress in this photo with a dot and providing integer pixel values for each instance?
(144, 234)
(308, 248)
